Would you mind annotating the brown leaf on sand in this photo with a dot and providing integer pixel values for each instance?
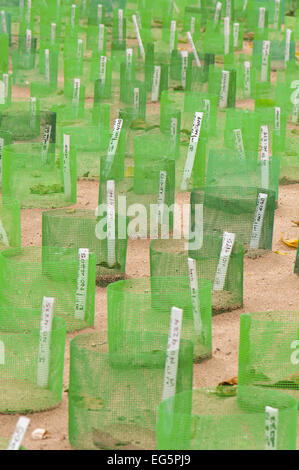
(231, 382)
(296, 222)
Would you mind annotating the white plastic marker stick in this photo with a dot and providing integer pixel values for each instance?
(101, 37)
(19, 433)
(271, 428)
(161, 195)
(129, 62)
(43, 365)
(192, 149)
(28, 11)
(47, 65)
(67, 166)
(195, 296)
(192, 25)
(82, 282)
(79, 49)
(2, 92)
(156, 83)
(239, 143)
(258, 221)
(287, 46)
(264, 151)
(118, 123)
(245, 5)
(261, 22)
(207, 111)
(224, 87)
(73, 15)
(226, 34)
(3, 21)
(46, 142)
(277, 119)
(28, 40)
(265, 61)
(173, 133)
(189, 35)
(103, 63)
(32, 112)
(53, 33)
(276, 14)
(76, 92)
(111, 222)
(172, 36)
(184, 55)
(3, 235)
(100, 13)
(172, 354)
(236, 29)
(247, 81)
(295, 112)
(228, 241)
(136, 101)
(228, 9)
(140, 44)
(120, 25)
(217, 13)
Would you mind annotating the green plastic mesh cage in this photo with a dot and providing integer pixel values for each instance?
(76, 228)
(32, 361)
(246, 212)
(32, 174)
(113, 396)
(10, 223)
(170, 258)
(268, 351)
(296, 267)
(145, 304)
(27, 274)
(214, 419)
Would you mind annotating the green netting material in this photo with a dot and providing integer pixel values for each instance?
(113, 397)
(19, 340)
(145, 304)
(207, 419)
(268, 353)
(30, 273)
(170, 258)
(10, 223)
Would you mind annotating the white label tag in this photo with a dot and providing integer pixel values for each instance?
(101, 37)
(136, 101)
(277, 119)
(271, 428)
(28, 40)
(5, 79)
(46, 142)
(100, 13)
(28, 11)
(192, 25)
(192, 149)
(2, 92)
(193, 49)
(156, 83)
(247, 81)
(172, 354)
(43, 365)
(223, 96)
(19, 433)
(287, 46)
(226, 35)
(261, 23)
(173, 133)
(103, 62)
(76, 92)
(32, 112)
(129, 62)
(197, 322)
(66, 166)
(228, 241)
(3, 234)
(141, 48)
(207, 111)
(264, 152)
(120, 26)
(82, 283)
(111, 222)
(217, 12)
(245, 5)
(79, 49)
(113, 144)
(184, 55)
(47, 65)
(276, 14)
(239, 143)
(295, 112)
(3, 21)
(265, 61)
(161, 195)
(73, 15)
(53, 33)
(228, 9)
(172, 36)
(258, 221)
(236, 34)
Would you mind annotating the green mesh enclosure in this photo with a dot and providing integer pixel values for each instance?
(169, 258)
(20, 388)
(145, 304)
(113, 396)
(31, 173)
(28, 274)
(268, 353)
(76, 228)
(222, 82)
(233, 209)
(296, 267)
(214, 419)
(205, 102)
(24, 61)
(10, 223)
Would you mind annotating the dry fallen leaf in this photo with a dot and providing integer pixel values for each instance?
(232, 381)
(280, 252)
(292, 243)
(296, 222)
